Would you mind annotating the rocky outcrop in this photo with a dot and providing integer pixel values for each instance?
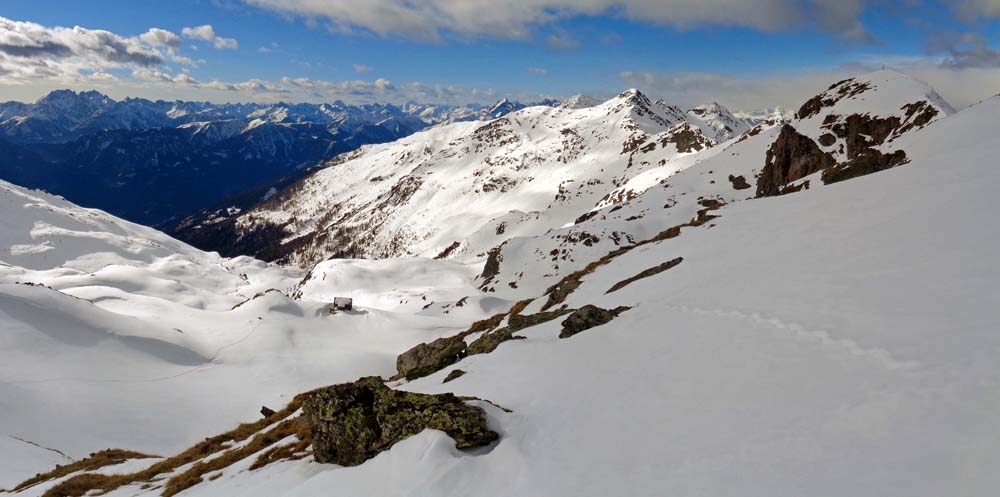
(586, 318)
(687, 139)
(840, 90)
(646, 274)
(870, 161)
(427, 358)
(490, 340)
(453, 375)
(791, 157)
(739, 182)
(353, 422)
(861, 132)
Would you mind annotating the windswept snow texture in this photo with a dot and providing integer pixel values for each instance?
(839, 340)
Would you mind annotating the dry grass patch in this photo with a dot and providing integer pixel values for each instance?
(102, 484)
(97, 460)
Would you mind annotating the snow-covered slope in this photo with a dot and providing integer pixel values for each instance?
(871, 112)
(721, 121)
(114, 334)
(458, 190)
(833, 340)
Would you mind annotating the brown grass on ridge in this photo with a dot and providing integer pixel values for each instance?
(87, 482)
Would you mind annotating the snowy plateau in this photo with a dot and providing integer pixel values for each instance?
(617, 298)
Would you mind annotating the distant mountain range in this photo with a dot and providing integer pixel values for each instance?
(152, 161)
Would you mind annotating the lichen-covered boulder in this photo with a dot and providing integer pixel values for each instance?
(519, 321)
(428, 358)
(490, 340)
(588, 317)
(353, 422)
(453, 375)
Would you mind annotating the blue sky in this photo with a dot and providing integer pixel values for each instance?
(391, 50)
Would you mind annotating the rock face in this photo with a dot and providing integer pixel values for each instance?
(353, 422)
(491, 340)
(739, 182)
(646, 274)
(453, 375)
(586, 318)
(427, 358)
(868, 162)
(791, 157)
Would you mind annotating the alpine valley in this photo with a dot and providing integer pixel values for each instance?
(153, 162)
(586, 298)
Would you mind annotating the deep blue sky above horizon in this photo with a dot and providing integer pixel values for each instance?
(745, 54)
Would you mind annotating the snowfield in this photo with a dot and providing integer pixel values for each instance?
(838, 340)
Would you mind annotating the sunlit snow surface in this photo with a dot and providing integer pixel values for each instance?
(837, 341)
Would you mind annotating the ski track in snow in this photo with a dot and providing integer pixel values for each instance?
(881, 356)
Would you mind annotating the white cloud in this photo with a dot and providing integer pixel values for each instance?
(965, 50)
(155, 76)
(204, 32)
(31, 51)
(975, 9)
(561, 39)
(434, 19)
(207, 33)
(960, 87)
(362, 68)
(540, 71)
(160, 38)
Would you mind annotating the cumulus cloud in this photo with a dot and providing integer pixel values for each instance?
(434, 19)
(363, 68)
(976, 9)
(960, 87)
(161, 38)
(965, 50)
(153, 75)
(31, 51)
(207, 33)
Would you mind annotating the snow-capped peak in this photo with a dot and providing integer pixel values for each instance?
(579, 101)
(720, 120)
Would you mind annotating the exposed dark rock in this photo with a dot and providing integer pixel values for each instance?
(353, 422)
(791, 157)
(862, 132)
(838, 91)
(687, 139)
(827, 139)
(266, 411)
(588, 317)
(519, 322)
(490, 340)
(739, 182)
(918, 114)
(870, 161)
(585, 216)
(427, 358)
(647, 273)
(450, 249)
(492, 267)
(562, 289)
(454, 374)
